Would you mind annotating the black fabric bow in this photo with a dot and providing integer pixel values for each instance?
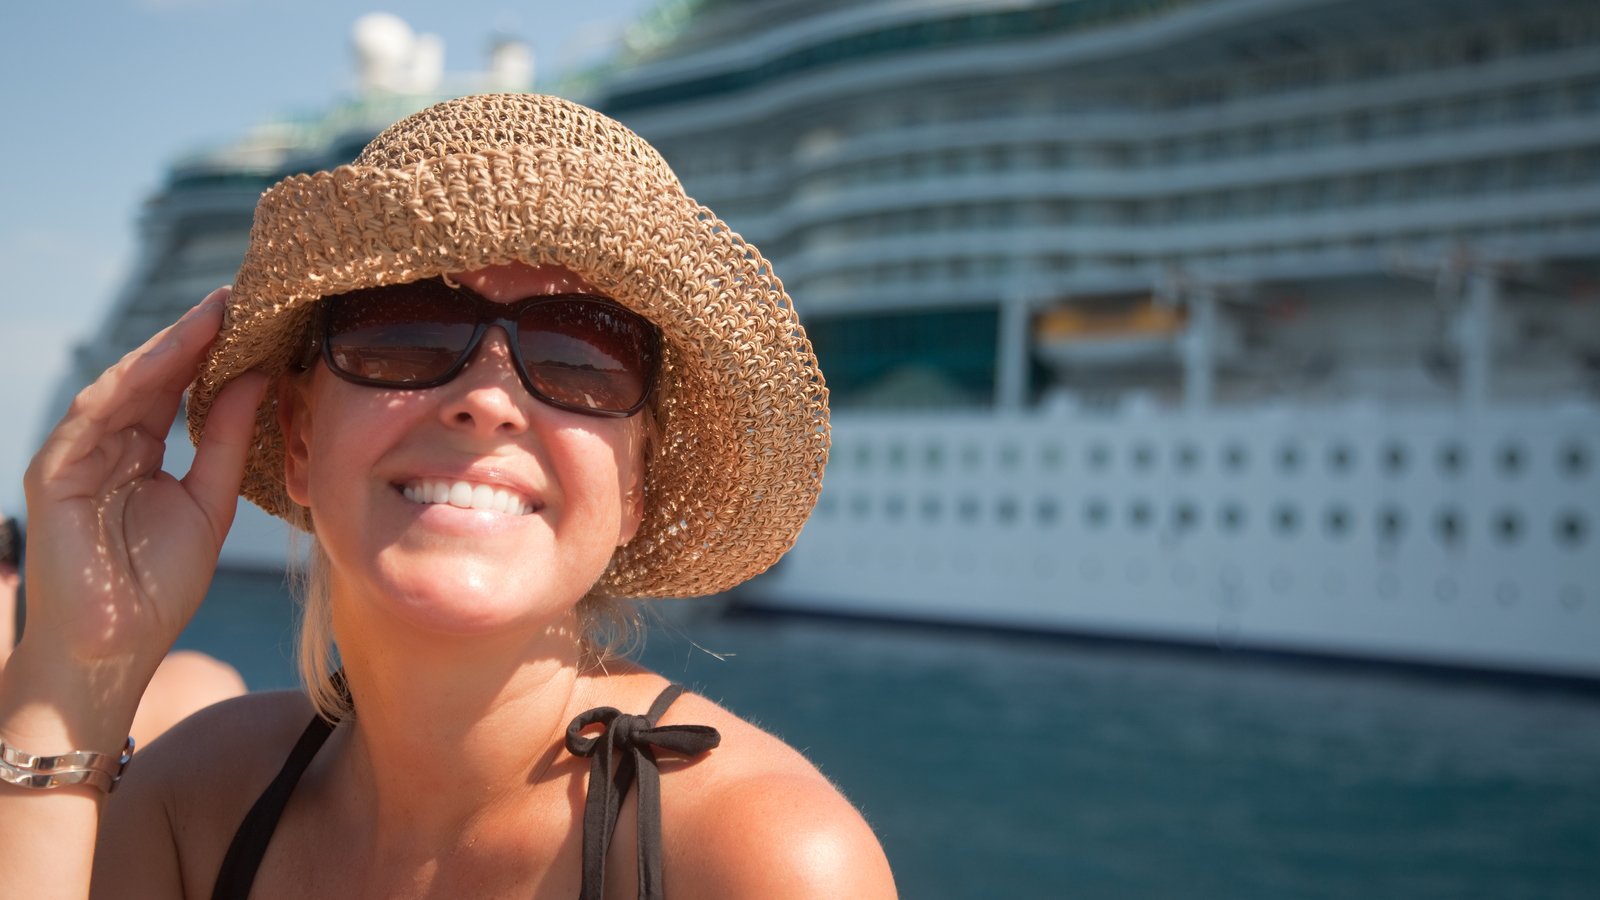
(611, 773)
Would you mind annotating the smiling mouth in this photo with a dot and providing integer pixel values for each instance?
(466, 495)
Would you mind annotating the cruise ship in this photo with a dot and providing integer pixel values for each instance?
(1271, 324)
(1262, 323)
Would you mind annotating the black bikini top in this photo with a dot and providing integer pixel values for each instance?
(624, 752)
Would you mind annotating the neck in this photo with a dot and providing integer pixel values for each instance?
(483, 715)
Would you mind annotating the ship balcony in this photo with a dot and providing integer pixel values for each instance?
(1359, 237)
(826, 201)
(894, 80)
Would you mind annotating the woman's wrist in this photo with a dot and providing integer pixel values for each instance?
(51, 707)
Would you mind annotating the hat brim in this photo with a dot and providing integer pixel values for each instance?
(741, 407)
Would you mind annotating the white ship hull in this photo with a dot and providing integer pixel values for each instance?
(1424, 536)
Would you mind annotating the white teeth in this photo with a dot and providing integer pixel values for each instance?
(466, 495)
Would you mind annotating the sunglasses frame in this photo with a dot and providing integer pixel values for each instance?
(488, 313)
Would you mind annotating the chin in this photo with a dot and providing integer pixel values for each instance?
(470, 600)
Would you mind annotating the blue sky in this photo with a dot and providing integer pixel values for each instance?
(100, 96)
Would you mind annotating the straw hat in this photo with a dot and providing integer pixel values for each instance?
(741, 408)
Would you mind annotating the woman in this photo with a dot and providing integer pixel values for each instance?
(504, 372)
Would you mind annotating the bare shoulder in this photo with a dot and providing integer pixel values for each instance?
(176, 808)
(757, 819)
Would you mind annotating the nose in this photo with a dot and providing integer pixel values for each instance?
(487, 397)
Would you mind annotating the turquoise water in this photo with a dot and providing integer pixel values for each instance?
(1011, 766)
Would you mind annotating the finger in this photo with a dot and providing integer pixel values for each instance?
(219, 458)
(144, 388)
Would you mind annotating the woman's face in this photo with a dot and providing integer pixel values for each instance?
(554, 492)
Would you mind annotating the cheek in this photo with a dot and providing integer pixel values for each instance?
(605, 481)
(336, 435)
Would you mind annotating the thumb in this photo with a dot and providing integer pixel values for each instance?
(219, 458)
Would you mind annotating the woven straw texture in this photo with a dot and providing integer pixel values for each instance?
(741, 408)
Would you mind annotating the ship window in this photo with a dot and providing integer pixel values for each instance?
(970, 456)
(1571, 528)
(967, 509)
(1452, 458)
(863, 454)
(1449, 527)
(1394, 459)
(826, 506)
(1005, 509)
(1095, 513)
(1287, 518)
(1188, 456)
(1337, 521)
(897, 456)
(860, 506)
(1184, 516)
(1050, 456)
(1358, 125)
(1232, 517)
(1143, 457)
(1511, 459)
(1009, 456)
(1586, 96)
(1508, 526)
(933, 455)
(894, 506)
(1340, 458)
(1140, 514)
(932, 507)
(1574, 460)
(1099, 457)
(1046, 511)
(1391, 523)
(1289, 458)
(1235, 457)
(933, 359)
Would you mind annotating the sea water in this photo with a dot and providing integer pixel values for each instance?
(1016, 766)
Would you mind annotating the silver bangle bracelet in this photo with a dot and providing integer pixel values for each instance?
(103, 770)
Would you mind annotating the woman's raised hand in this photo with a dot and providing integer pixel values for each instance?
(121, 553)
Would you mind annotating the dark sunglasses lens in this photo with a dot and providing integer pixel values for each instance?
(586, 354)
(397, 336)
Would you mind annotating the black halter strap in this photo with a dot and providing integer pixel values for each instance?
(617, 757)
(623, 752)
(255, 832)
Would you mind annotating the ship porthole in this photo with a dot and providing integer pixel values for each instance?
(1391, 523)
(1394, 459)
(1287, 519)
(1452, 459)
(1289, 458)
(1511, 460)
(1449, 528)
(1508, 527)
(1574, 460)
(1571, 528)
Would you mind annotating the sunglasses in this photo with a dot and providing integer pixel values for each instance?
(577, 352)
